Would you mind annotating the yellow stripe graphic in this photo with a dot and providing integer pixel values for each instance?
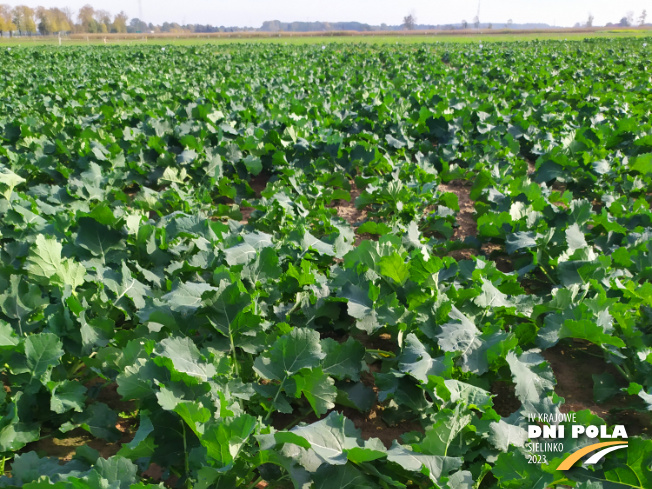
(570, 461)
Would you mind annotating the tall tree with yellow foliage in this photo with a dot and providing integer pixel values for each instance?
(6, 20)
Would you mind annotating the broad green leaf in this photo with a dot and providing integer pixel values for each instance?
(181, 355)
(435, 466)
(464, 337)
(129, 287)
(417, 361)
(22, 300)
(588, 330)
(491, 297)
(46, 264)
(462, 479)
(329, 439)
(394, 267)
(139, 441)
(520, 240)
(356, 395)
(343, 360)
(194, 414)
(7, 335)
(341, 477)
(8, 180)
(642, 163)
(264, 268)
(447, 425)
(317, 387)
(117, 471)
(253, 164)
(514, 472)
(67, 395)
(240, 254)
(29, 467)
(457, 391)
(225, 440)
(186, 297)
(290, 353)
(533, 379)
(96, 238)
(309, 241)
(43, 351)
(100, 420)
(504, 436)
(575, 238)
(15, 434)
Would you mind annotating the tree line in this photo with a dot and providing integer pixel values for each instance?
(23, 20)
(26, 21)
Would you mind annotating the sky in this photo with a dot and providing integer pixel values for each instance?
(252, 13)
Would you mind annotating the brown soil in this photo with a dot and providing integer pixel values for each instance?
(497, 253)
(531, 167)
(573, 369)
(109, 396)
(465, 254)
(372, 426)
(155, 472)
(132, 191)
(258, 183)
(505, 400)
(246, 214)
(370, 423)
(381, 342)
(465, 220)
(467, 226)
(347, 210)
(64, 448)
(573, 366)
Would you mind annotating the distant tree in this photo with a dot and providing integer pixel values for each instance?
(409, 21)
(137, 25)
(6, 20)
(476, 22)
(589, 20)
(86, 17)
(490, 26)
(509, 24)
(23, 18)
(630, 17)
(69, 16)
(120, 23)
(103, 19)
(641, 19)
(51, 20)
(623, 22)
(62, 23)
(465, 24)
